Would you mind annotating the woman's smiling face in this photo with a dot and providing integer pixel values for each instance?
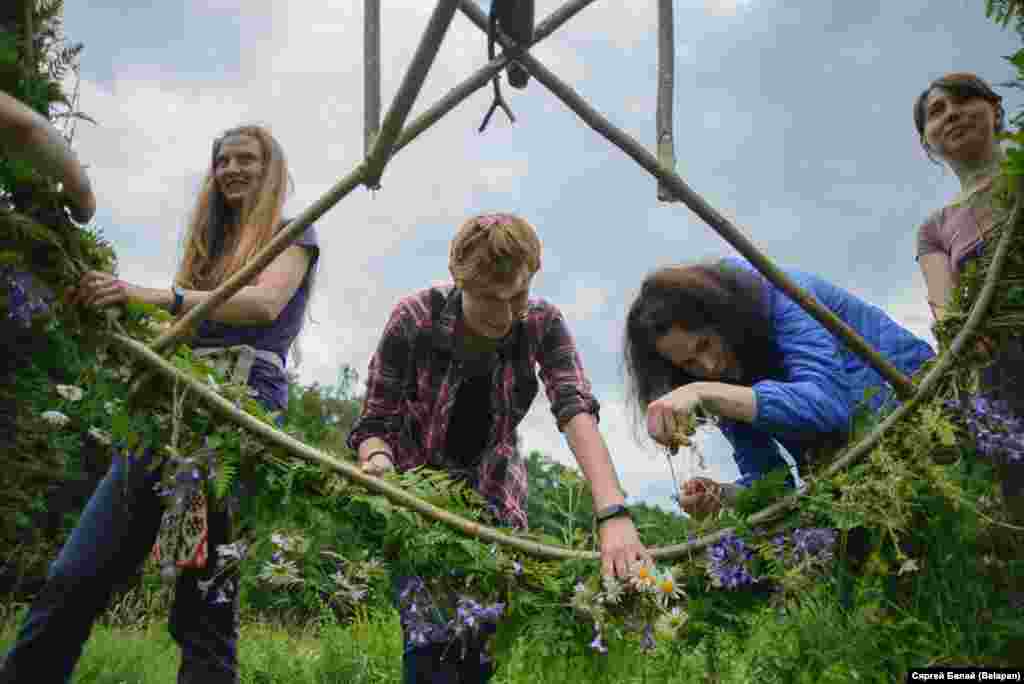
(959, 128)
(238, 169)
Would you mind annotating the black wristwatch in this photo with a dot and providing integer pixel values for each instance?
(179, 297)
(613, 511)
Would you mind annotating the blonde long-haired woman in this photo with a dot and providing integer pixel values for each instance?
(237, 212)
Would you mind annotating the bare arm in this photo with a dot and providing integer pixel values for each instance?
(25, 133)
(591, 452)
(938, 278)
(257, 304)
(728, 401)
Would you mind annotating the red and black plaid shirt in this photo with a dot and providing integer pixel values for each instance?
(411, 389)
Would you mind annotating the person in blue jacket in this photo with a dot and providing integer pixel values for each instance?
(721, 336)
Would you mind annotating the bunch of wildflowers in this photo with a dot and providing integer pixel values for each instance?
(643, 601)
(23, 302)
(351, 579)
(728, 563)
(419, 615)
(813, 544)
(997, 430)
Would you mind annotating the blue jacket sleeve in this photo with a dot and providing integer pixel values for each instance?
(755, 452)
(813, 397)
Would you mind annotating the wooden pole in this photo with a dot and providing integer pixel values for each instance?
(666, 88)
(149, 356)
(281, 242)
(226, 290)
(371, 72)
(400, 497)
(484, 75)
(901, 383)
(437, 26)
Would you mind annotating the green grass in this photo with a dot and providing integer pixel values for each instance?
(368, 650)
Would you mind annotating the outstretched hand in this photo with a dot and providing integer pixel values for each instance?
(701, 497)
(98, 289)
(620, 547)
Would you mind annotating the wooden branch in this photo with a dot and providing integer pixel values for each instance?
(901, 383)
(855, 452)
(284, 239)
(152, 359)
(422, 60)
(666, 87)
(484, 75)
(377, 485)
(371, 72)
(400, 497)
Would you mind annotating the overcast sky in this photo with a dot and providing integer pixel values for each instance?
(794, 119)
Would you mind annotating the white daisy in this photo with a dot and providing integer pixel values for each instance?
(667, 588)
(645, 577)
(613, 589)
(55, 418)
(282, 574)
(70, 392)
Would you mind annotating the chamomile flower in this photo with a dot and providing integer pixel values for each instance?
(669, 624)
(667, 588)
(645, 578)
(613, 589)
(70, 392)
(282, 574)
(55, 418)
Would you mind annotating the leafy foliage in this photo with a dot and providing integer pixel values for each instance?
(883, 567)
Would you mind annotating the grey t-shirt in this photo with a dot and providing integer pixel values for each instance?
(267, 379)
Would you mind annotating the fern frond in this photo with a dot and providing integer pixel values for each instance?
(226, 474)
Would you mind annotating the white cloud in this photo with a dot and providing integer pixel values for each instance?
(583, 300)
(726, 8)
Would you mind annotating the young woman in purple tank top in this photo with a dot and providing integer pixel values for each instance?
(958, 118)
(237, 212)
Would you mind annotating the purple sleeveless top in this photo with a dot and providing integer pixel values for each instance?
(266, 379)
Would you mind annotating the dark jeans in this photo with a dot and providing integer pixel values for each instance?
(449, 663)
(106, 548)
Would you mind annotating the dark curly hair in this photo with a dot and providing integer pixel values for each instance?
(963, 85)
(719, 296)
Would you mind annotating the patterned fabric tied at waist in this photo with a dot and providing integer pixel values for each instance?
(181, 541)
(236, 361)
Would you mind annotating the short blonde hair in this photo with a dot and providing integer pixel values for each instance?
(493, 248)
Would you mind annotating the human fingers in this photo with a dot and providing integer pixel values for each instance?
(378, 465)
(688, 503)
(620, 547)
(108, 293)
(659, 423)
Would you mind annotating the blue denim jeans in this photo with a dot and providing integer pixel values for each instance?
(110, 543)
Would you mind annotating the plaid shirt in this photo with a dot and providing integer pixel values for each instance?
(414, 377)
